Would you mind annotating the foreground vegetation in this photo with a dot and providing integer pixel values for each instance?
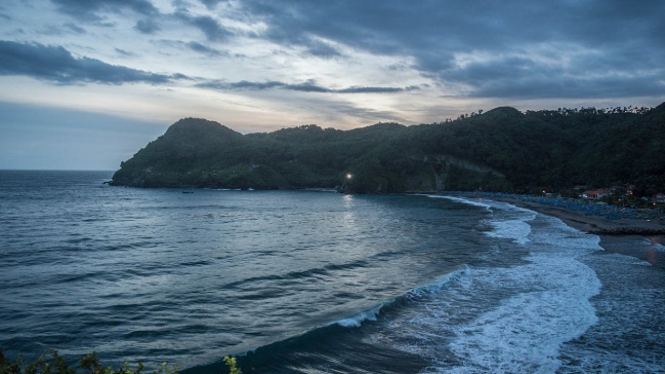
(500, 150)
(52, 363)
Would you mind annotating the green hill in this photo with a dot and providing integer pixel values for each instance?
(499, 150)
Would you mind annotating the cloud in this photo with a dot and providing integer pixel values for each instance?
(338, 111)
(307, 86)
(571, 88)
(212, 30)
(56, 64)
(124, 53)
(211, 4)
(74, 28)
(525, 78)
(209, 26)
(465, 50)
(623, 40)
(191, 45)
(146, 26)
(320, 49)
(200, 48)
(90, 9)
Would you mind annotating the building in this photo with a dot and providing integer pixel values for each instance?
(595, 194)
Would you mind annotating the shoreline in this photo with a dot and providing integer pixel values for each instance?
(575, 218)
(628, 243)
(585, 222)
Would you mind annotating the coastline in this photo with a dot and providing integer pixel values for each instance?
(581, 221)
(649, 248)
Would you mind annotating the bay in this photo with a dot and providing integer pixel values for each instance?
(312, 282)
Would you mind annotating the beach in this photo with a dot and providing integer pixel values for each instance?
(649, 248)
(585, 222)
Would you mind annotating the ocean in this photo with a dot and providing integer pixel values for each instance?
(317, 282)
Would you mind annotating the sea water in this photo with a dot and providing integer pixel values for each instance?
(315, 282)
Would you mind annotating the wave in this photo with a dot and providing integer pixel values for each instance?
(491, 318)
(512, 318)
(654, 245)
(528, 311)
(373, 313)
(358, 319)
(462, 200)
(296, 275)
(508, 221)
(329, 333)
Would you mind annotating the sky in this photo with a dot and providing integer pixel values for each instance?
(84, 84)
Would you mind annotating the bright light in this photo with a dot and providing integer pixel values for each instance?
(349, 176)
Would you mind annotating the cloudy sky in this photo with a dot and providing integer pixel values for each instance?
(84, 84)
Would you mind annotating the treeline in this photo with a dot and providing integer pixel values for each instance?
(51, 362)
(568, 111)
(499, 150)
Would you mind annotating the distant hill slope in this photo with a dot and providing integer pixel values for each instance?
(502, 150)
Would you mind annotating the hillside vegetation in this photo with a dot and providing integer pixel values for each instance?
(499, 150)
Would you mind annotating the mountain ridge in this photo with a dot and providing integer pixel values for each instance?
(499, 150)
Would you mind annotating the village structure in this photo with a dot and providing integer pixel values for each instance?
(621, 193)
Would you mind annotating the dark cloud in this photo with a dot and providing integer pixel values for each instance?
(320, 49)
(178, 76)
(211, 4)
(56, 64)
(563, 49)
(243, 85)
(602, 41)
(90, 9)
(208, 25)
(307, 86)
(356, 89)
(528, 87)
(337, 111)
(211, 28)
(200, 48)
(146, 26)
(191, 45)
(74, 28)
(124, 53)
(524, 78)
(311, 45)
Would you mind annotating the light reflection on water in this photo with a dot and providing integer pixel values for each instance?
(153, 275)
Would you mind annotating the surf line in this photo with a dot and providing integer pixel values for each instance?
(544, 303)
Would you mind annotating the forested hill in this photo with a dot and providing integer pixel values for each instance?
(501, 150)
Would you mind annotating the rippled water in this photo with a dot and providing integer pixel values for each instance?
(313, 282)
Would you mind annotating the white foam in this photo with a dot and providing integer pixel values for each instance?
(517, 230)
(358, 319)
(441, 282)
(548, 306)
(508, 221)
(372, 314)
(511, 319)
(603, 362)
(654, 245)
(525, 332)
(462, 200)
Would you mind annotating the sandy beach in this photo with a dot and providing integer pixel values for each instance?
(585, 222)
(649, 248)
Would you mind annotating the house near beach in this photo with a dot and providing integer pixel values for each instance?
(595, 194)
(658, 198)
(629, 189)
